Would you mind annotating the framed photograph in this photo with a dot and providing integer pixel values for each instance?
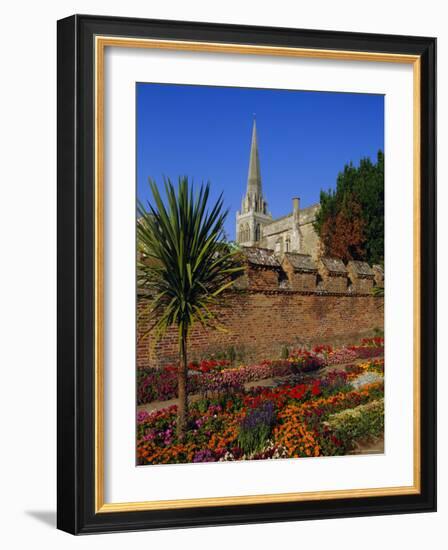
(246, 274)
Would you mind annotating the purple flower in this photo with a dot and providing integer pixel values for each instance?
(262, 415)
(150, 436)
(142, 416)
(204, 455)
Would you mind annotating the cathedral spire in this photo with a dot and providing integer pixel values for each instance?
(254, 214)
(254, 175)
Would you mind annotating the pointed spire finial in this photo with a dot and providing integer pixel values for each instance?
(254, 175)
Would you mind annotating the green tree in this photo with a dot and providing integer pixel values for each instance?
(358, 202)
(184, 266)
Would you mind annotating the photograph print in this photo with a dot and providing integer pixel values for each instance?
(260, 274)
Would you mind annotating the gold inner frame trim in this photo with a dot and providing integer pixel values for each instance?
(101, 42)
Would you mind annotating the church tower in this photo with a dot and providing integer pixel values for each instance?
(254, 213)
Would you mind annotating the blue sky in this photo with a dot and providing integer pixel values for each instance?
(305, 139)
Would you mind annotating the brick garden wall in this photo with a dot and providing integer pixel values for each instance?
(259, 322)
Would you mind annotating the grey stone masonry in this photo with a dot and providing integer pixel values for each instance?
(361, 275)
(333, 267)
(378, 274)
(255, 226)
(254, 214)
(301, 263)
(265, 270)
(334, 274)
(260, 257)
(301, 271)
(361, 270)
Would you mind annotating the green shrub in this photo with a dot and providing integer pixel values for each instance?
(202, 405)
(284, 354)
(231, 354)
(377, 331)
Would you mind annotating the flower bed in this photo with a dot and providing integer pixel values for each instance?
(261, 423)
(220, 376)
(161, 384)
(364, 421)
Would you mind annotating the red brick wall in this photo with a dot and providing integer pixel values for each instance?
(299, 280)
(363, 286)
(336, 283)
(259, 323)
(262, 278)
(302, 281)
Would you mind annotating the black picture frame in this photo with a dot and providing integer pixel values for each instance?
(76, 289)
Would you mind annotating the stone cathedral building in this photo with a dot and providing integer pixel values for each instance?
(255, 225)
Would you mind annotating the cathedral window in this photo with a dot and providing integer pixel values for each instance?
(279, 246)
(244, 233)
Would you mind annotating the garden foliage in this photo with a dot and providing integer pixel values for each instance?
(350, 222)
(306, 414)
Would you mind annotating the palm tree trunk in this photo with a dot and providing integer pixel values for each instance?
(182, 410)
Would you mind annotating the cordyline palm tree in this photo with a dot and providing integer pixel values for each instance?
(184, 265)
(378, 292)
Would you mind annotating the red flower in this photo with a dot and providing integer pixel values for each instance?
(298, 392)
